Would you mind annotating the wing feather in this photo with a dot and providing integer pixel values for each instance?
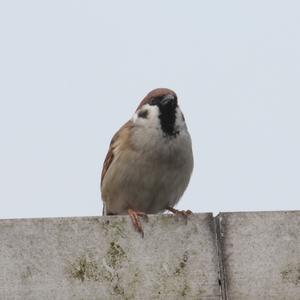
(118, 141)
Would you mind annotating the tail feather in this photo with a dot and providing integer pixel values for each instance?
(104, 212)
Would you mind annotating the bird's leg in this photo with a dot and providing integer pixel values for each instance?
(183, 213)
(134, 215)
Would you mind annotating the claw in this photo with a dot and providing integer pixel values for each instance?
(134, 215)
(182, 213)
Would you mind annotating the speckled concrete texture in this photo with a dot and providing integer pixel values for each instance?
(253, 256)
(104, 258)
(261, 255)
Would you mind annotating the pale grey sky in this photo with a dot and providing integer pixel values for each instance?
(72, 72)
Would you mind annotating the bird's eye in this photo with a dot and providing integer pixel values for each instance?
(153, 101)
(143, 114)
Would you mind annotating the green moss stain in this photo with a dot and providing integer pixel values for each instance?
(291, 274)
(181, 271)
(116, 227)
(117, 288)
(182, 264)
(108, 269)
(84, 268)
(26, 275)
(184, 290)
(115, 255)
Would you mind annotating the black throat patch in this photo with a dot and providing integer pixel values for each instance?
(167, 118)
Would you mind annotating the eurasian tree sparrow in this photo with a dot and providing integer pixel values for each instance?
(149, 162)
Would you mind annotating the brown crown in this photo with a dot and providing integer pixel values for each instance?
(160, 92)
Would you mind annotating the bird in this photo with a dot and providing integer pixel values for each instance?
(149, 162)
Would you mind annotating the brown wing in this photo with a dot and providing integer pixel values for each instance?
(118, 140)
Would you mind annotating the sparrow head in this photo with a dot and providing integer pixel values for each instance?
(162, 97)
(160, 109)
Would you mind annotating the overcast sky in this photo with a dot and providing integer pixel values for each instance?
(72, 72)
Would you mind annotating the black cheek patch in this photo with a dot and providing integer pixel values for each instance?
(143, 114)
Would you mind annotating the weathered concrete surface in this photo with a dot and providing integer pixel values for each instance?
(261, 255)
(104, 258)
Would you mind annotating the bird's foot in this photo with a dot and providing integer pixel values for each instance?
(181, 213)
(134, 215)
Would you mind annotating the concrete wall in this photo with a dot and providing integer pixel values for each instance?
(233, 256)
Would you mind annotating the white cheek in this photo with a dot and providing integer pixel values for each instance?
(147, 131)
(152, 120)
(134, 118)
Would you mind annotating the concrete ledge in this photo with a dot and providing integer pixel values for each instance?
(260, 255)
(236, 256)
(104, 258)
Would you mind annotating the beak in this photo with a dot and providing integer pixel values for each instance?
(168, 99)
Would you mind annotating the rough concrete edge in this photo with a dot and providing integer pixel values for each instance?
(94, 217)
(219, 243)
(259, 212)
